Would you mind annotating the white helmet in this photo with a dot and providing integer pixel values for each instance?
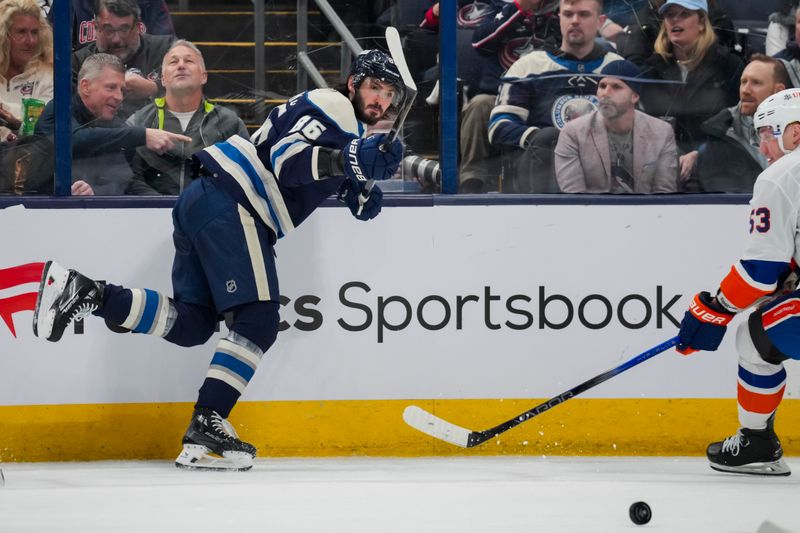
(778, 111)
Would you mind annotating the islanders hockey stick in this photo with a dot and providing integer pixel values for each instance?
(410, 92)
(428, 423)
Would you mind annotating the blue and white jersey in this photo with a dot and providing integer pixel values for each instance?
(545, 89)
(275, 175)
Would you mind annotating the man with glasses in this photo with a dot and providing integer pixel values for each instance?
(117, 26)
(155, 19)
(766, 277)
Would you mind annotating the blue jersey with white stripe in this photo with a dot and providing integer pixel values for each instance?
(545, 89)
(275, 175)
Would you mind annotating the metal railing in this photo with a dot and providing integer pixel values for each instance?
(305, 66)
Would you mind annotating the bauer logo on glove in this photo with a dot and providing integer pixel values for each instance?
(364, 160)
(704, 315)
(703, 326)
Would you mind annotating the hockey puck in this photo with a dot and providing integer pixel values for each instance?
(640, 513)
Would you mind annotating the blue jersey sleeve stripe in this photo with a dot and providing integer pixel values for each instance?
(766, 272)
(279, 152)
(149, 312)
(504, 116)
(762, 382)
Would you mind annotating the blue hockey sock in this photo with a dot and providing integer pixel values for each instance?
(254, 329)
(150, 312)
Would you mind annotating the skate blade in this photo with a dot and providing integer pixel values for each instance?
(774, 468)
(54, 279)
(198, 457)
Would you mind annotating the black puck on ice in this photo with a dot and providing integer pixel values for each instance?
(640, 513)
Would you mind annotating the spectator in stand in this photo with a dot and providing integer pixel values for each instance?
(511, 30)
(790, 55)
(730, 160)
(117, 23)
(102, 145)
(26, 61)
(782, 26)
(155, 20)
(184, 110)
(708, 75)
(636, 43)
(539, 96)
(617, 149)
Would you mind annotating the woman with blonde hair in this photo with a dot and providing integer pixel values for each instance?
(706, 76)
(26, 60)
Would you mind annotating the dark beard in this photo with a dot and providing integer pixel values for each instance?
(359, 107)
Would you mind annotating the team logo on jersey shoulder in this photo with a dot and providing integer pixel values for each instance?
(230, 285)
(571, 106)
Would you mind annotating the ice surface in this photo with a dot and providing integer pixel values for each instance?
(377, 495)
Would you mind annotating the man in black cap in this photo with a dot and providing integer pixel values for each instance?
(617, 149)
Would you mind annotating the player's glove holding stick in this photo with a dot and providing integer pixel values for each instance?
(364, 161)
(364, 198)
(703, 325)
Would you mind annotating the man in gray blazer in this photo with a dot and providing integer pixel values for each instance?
(617, 149)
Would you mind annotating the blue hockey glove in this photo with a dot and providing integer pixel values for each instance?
(703, 325)
(363, 198)
(364, 160)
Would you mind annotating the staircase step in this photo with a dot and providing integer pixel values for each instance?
(281, 81)
(278, 54)
(238, 25)
(228, 5)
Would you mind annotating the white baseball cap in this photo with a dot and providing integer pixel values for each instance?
(694, 5)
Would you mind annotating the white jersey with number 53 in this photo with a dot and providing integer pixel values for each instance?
(774, 239)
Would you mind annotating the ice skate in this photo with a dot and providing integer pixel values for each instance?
(211, 443)
(750, 451)
(64, 295)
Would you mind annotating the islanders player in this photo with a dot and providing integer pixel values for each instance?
(247, 194)
(764, 277)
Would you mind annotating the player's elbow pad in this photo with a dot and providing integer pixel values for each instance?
(329, 162)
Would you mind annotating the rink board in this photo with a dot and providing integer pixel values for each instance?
(461, 307)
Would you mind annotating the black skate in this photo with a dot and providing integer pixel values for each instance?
(64, 296)
(750, 451)
(211, 443)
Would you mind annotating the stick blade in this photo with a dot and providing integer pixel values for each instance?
(396, 51)
(432, 425)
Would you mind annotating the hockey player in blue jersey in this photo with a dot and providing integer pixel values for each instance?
(247, 194)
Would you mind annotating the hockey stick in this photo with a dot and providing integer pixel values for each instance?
(428, 423)
(410, 93)
(396, 51)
